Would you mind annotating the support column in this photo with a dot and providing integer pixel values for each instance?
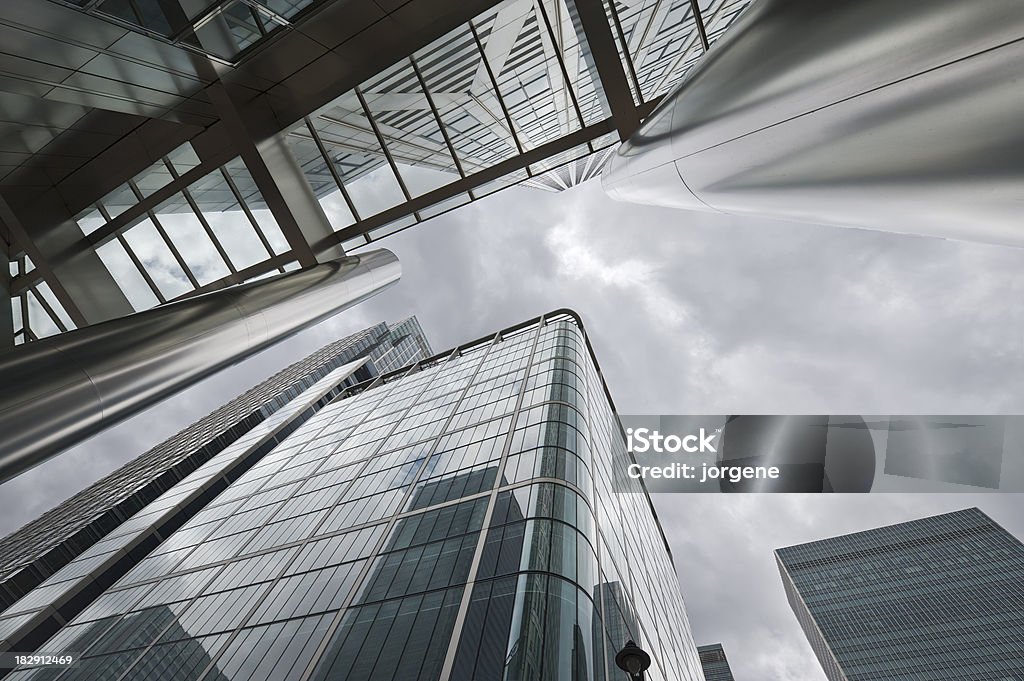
(601, 56)
(280, 180)
(68, 387)
(867, 114)
(6, 314)
(78, 278)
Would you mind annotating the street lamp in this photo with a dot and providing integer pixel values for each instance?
(633, 660)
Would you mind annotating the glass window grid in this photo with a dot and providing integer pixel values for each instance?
(560, 413)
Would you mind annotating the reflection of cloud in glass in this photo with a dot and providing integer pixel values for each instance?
(152, 251)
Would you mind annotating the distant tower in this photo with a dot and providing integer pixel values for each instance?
(714, 663)
(936, 598)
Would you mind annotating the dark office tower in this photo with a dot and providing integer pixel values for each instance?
(714, 662)
(941, 598)
(36, 551)
(456, 520)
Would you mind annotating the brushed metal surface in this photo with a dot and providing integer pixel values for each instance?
(902, 117)
(59, 391)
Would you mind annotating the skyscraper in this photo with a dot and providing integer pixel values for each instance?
(940, 598)
(177, 146)
(36, 551)
(714, 662)
(453, 520)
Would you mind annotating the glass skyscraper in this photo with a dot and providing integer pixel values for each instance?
(453, 520)
(714, 662)
(936, 599)
(33, 553)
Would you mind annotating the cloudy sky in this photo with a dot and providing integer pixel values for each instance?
(688, 313)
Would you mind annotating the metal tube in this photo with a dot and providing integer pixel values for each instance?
(56, 392)
(895, 116)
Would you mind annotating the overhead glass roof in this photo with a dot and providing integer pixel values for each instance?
(511, 97)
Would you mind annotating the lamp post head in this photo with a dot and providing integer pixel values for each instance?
(633, 660)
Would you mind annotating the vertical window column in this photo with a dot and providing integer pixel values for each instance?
(281, 183)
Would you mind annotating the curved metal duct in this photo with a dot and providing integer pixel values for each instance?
(61, 390)
(895, 116)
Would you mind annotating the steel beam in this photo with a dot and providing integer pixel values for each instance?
(602, 56)
(699, 20)
(281, 182)
(494, 172)
(64, 389)
(79, 279)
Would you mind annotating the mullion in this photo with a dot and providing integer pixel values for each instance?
(625, 49)
(437, 116)
(134, 258)
(25, 326)
(700, 24)
(167, 240)
(322, 148)
(209, 231)
(561, 64)
(384, 148)
(497, 90)
(49, 310)
(248, 213)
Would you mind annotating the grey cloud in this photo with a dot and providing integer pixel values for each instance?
(689, 313)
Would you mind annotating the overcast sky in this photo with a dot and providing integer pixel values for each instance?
(689, 314)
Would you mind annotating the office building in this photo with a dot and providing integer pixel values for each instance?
(900, 117)
(714, 662)
(453, 520)
(33, 553)
(940, 598)
(153, 150)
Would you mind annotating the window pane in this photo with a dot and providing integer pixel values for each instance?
(410, 130)
(533, 88)
(38, 319)
(43, 289)
(193, 243)
(230, 224)
(127, 275)
(458, 82)
(119, 200)
(357, 156)
(152, 252)
(153, 178)
(257, 206)
(183, 158)
(90, 220)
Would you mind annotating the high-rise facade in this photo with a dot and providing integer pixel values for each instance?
(940, 598)
(45, 545)
(714, 663)
(456, 520)
(180, 147)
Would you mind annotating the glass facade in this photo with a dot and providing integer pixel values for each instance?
(936, 599)
(44, 546)
(451, 521)
(714, 662)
